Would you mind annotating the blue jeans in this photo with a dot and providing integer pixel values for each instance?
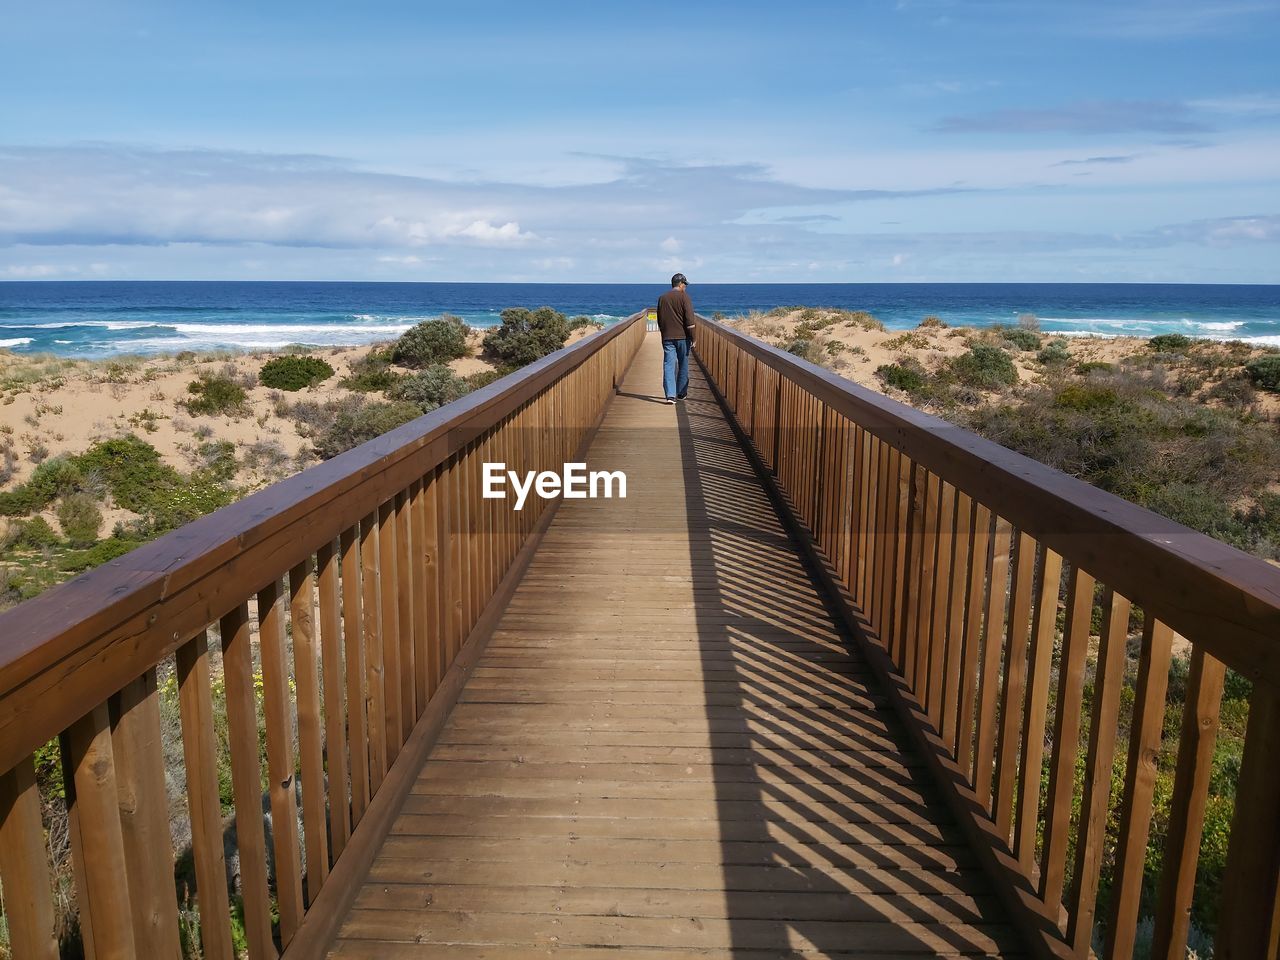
(675, 367)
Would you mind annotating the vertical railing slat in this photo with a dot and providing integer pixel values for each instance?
(97, 842)
(1249, 922)
(144, 815)
(992, 646)
(1139, 785)
(976, 583)
(353, 643)
(246, 778)
(310, 737)
(1043, 629)
(406, 588)
(963, 545)
(388, 595)
(335, 716)
(281, 771)
(1096, 797)
(1196, 741)
(371, 621)
(1017, 634)
(1066, 733)
(24, 866)
(200, 755)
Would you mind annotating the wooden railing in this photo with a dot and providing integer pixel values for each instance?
(323, 622)
(997, 598)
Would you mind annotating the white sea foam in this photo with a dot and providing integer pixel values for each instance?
(15, 342)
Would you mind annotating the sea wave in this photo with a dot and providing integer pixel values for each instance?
(16, 342)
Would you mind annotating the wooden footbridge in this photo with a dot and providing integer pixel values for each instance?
(835, 679)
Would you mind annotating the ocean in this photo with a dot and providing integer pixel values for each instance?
(107, 318)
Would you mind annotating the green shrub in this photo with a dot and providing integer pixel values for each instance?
(197, 495)
(80, 519)
(294, 372)
(1054, 354)
(798, 347)
(1265, 372)
(372, 373)
(55, 478)
(33, 533)
(355, 423)
(985, 367)
(18, 503)
(430, 388)
(132, 470)
(932, 323)
(1086, 397)
(1021, 337)
(901, 376)
(218, 458)
(526, 335)
(482, 378)
(1169, 343)
(907, 341)
(1092, 366)
(579, 322)
(216, 395)
(100, 553)
(431, 341)
(1234, 391)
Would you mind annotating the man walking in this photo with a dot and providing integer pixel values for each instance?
(675, 323)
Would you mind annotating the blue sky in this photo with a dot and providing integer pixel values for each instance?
(929, 140)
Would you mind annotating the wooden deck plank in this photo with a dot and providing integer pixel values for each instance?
(669, 750)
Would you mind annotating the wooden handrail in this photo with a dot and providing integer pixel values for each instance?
(955, 559)
(356, 583)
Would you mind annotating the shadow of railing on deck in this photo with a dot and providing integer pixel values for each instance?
(823, 819)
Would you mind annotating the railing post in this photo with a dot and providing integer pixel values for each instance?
(1249, 925)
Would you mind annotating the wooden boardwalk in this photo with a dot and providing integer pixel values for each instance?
(667, 749)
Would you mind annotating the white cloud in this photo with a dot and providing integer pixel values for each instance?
(670, 245)
(34, 271)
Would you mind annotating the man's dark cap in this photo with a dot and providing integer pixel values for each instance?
(678, 279)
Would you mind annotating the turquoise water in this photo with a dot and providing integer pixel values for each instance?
(99, 319)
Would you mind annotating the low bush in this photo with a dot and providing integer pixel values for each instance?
(1054, 354)
(1234, 392)
(1169, 343)
(932, 323)
(354, 423)
(95, 556)
(195, 496)
(218, 458)
(131, 469)
(1023, 338)
(580, 322)
(985, 367)
(372, 373)
(903, 376)
(216, 395)
(294, 372)
(430, 388)
(33, 534)
(1265, 372)
(1086, 397)
(431, 341)
(80, 519)
(906, 341)
(526, 335)
(1094, 366)
(482, 378)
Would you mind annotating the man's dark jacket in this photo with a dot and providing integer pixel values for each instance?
(675, 315)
